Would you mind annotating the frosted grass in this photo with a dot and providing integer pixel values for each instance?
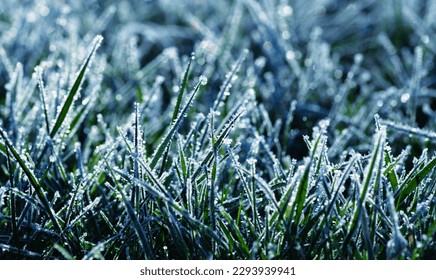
(298, 130)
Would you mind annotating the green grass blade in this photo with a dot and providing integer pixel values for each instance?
(82, 112)
(183, 87)
(224, 132)
(174, 127)
(159, 195)
(12, 200)
(139, 230)
(85, 210)
(137, 141)
(240, 243)
(177, 107)
(229, 238)
(410, 130)
(76, 87)
(183, 161)
(213, 172)
(32, 179)
(300, 198)
(2, 148)
(230, 79)
(412, 183)
(43, 94)
(390, 171)
(373, 169)
(64, 252)
(176, 232)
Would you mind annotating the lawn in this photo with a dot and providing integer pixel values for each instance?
(270, 129)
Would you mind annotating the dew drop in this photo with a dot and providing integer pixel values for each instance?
(338, 74)
(43, 10)
(267, 45)
(286, 35)
(251, 161)
(425, 39)
(286, 11)
(52, 158)
(308, 62)
(203, 80)
(358, 58)
(160, 79)
(260, 62)
(171, 53)
(405, 97)
(31, 17)
(290, 55)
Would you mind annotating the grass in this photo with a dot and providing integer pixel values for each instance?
(278, 130)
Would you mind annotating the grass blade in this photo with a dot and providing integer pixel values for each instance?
(32, 179)
(411, 183)
(148, 253)
(373, 169)
(183, 87)
(175, 126)
(76, 87)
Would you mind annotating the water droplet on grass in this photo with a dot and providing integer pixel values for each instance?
(259, 62)
(267, 45)
(203, 80)
(358, 58)
(52, 158)
(338, 74)
(286, 11)
(251, 161)
(425, 39)
(290, 55)
(405, 97)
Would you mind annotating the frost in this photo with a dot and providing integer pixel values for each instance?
(203, 80)
(285, 11)
(251, 161)
(405, 97)
(270, 73)
(259, 62)
(52, 158)
(290, 55)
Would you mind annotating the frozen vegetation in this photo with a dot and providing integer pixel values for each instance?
(269, 129)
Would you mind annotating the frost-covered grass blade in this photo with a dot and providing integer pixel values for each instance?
(75, 88)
